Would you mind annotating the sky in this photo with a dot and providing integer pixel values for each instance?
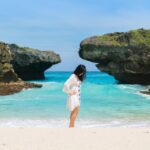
(60, 25)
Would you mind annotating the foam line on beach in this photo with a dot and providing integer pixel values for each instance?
(63, 123)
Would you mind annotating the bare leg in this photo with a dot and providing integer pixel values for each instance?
(73, 117)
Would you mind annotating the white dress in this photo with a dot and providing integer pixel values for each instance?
(73, 83)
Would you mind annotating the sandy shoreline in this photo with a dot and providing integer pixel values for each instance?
(74, 139)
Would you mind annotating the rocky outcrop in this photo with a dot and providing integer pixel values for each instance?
(30, 64)
(147, 92)
(21, 63)
(7, 73)
(14, 87)
(125, 55)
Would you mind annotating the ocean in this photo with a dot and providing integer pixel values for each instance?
(104, 103)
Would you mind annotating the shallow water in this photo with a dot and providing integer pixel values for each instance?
(104, 103)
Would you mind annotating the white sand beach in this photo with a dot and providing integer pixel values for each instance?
(74, 139)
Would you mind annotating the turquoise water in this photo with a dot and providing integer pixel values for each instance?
(104, 103)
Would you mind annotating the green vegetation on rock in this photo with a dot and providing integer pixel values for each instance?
(131, 38)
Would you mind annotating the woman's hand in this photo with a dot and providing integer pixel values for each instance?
(73, 92)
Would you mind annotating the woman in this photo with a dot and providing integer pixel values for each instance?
(72, 88)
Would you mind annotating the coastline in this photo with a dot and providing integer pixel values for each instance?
(75, 139)
(107, 105)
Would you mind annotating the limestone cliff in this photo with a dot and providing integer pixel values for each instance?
(21, 63)
(125, 55)
(30, 64)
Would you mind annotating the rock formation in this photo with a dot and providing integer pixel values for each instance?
(19, 63)
(30, 64)
(125, 55)
(7, 73)
(146, 91)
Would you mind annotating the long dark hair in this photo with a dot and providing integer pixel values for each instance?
(80, 69)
